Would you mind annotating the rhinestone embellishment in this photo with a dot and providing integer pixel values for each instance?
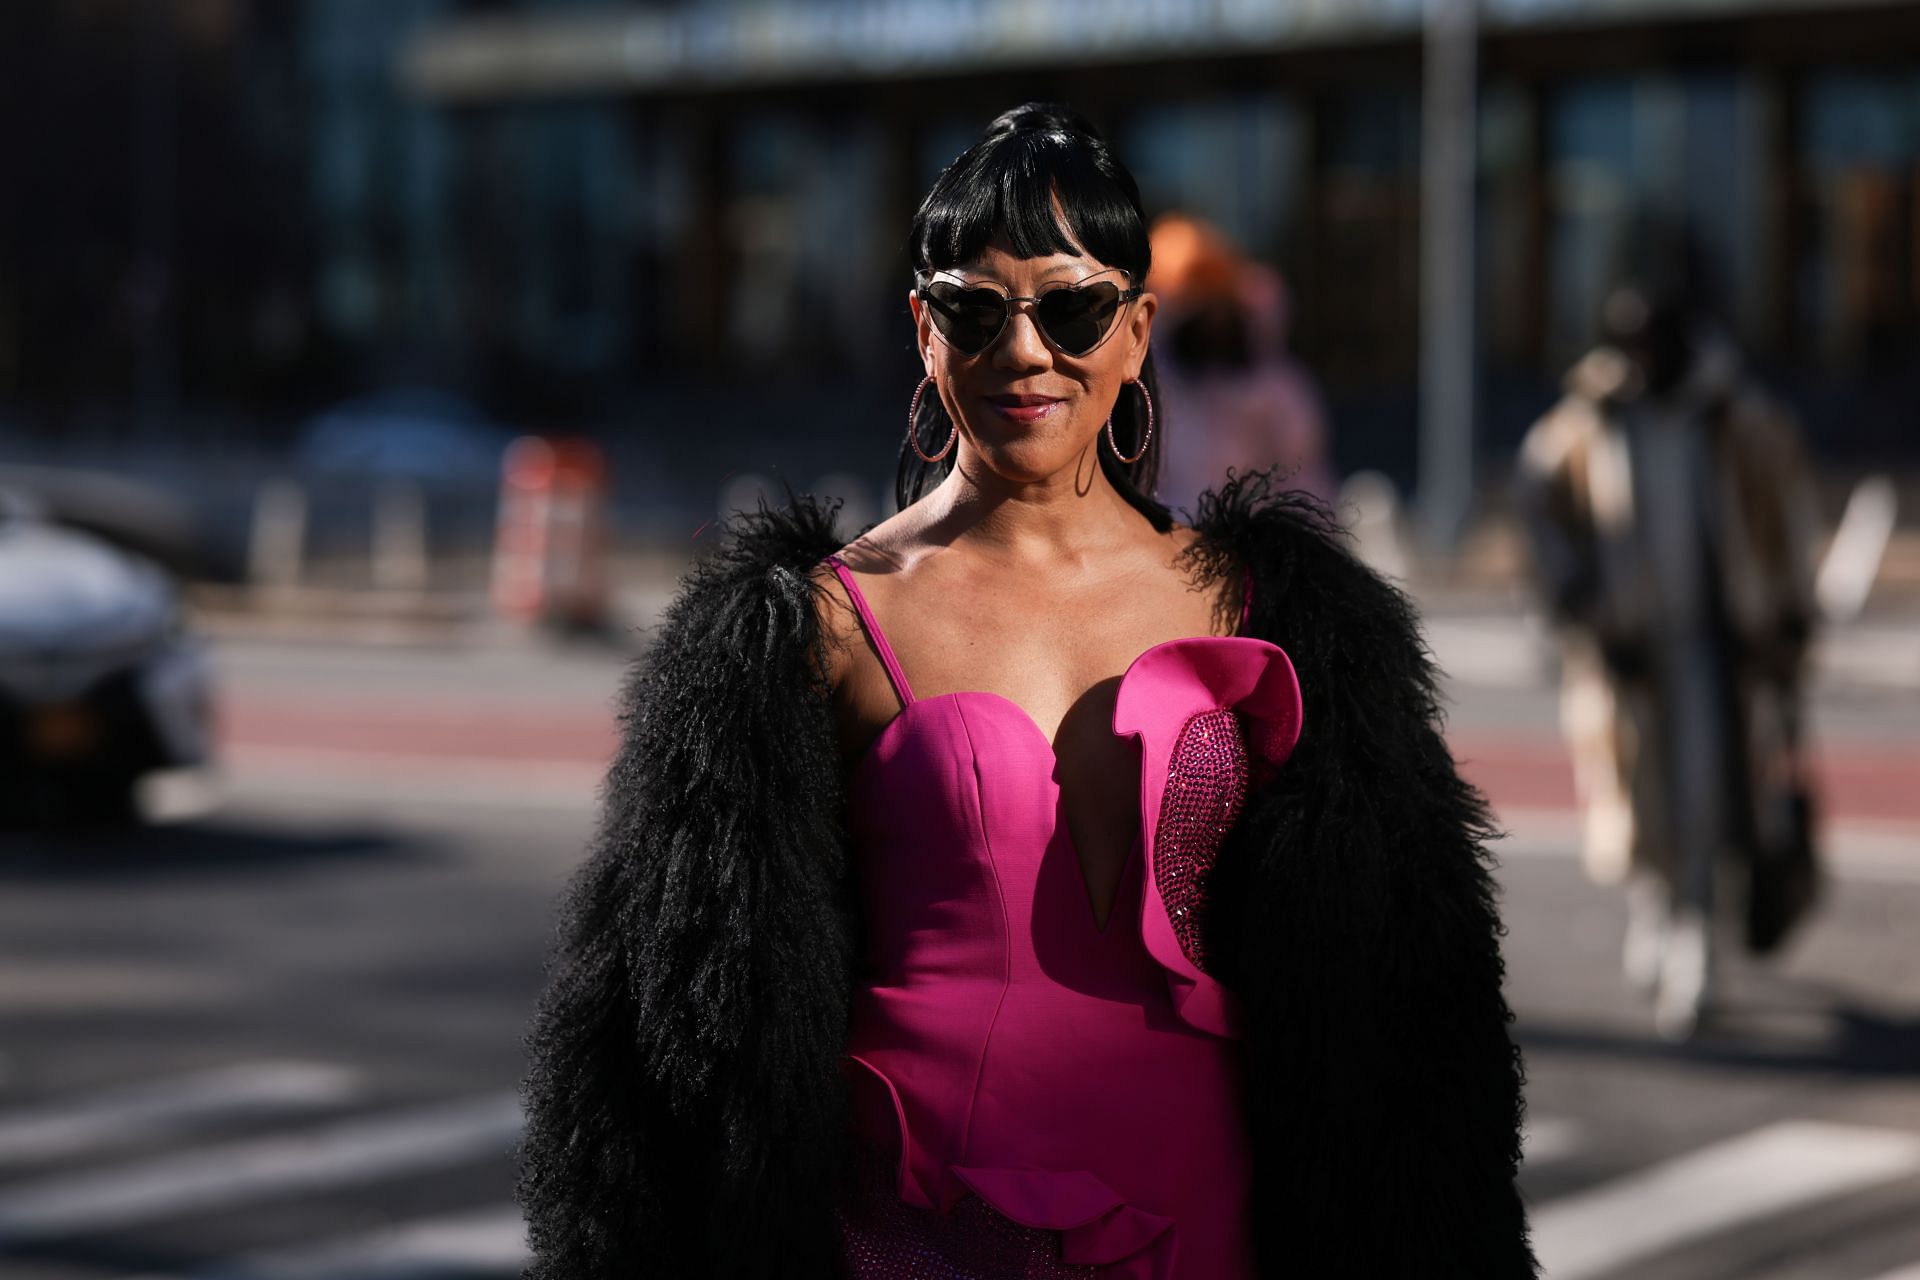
(1206, 787)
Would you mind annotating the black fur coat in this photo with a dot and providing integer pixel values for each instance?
(684, 1106)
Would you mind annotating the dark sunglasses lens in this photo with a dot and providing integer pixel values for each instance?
(1078, 318)
(967, 318)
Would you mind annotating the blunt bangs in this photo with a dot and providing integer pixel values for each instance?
(1007, 186)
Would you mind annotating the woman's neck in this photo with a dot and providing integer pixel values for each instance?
(1070, 516)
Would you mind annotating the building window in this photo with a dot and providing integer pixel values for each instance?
(1860, 270)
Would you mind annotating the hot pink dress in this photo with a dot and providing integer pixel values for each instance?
(1051, 1099)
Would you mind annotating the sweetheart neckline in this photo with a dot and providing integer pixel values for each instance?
(866, 755)
(860, 767)
(1100, 927)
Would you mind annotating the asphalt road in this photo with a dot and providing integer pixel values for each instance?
(277, 1037)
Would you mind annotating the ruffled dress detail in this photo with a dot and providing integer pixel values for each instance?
(1039, 1096)
(1236, 711)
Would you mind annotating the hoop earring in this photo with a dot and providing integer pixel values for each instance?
(1144, 439)
(913, 415)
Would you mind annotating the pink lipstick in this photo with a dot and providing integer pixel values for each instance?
(1024, 408)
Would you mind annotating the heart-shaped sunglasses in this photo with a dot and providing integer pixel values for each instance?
(1072, 318)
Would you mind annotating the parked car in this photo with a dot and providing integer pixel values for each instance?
(100, 682)
(139, 515)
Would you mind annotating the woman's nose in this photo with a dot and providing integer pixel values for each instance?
(1020, 345)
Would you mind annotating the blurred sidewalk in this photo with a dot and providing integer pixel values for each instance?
(1481, 641)
(336, 694)
(1486, 631)
(496, 719)
(1481, 621)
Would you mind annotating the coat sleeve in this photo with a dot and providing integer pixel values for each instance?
(1355, 913)
(683, 1096)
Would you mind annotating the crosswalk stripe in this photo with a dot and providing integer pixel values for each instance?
(238, 1173)
(480, 1242)
(60, 1129)
(1770, 1170)
(1904, 1273)
(313, 773)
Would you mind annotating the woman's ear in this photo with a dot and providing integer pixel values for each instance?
(922, 330)
(1140, 331)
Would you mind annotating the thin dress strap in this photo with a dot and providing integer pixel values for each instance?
(1246, 598)
(874, 633)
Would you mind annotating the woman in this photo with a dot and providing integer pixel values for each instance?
(964, 905)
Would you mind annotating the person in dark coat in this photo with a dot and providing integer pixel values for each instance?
(1291, 893)
(1673, 521)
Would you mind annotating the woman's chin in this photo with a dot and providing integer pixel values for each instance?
(1031, 459)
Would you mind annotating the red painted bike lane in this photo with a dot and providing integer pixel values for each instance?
(1854, 781)
(1522, 769)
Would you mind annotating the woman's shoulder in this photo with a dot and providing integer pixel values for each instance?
(1183, 538)
(890, 545)
(880, 557)
(877, 557)
(834, 615)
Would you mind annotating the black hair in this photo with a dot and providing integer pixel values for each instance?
(1655, 327)
(1006, 185)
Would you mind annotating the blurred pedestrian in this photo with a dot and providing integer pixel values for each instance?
(1068, 964)
(1671, 518)
(1242, 400)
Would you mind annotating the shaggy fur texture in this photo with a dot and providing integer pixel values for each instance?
(685, 1105)
(1354, 914)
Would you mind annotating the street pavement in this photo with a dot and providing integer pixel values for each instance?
(276, 1037)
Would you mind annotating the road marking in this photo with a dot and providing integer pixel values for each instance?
(1492, 652)
(62, 985)
(1768, 1171)
(1549, 1138)
(360, 776)
(1883, 852)
(483, 1242)
(143, 1110)
(1904, 1273)
(221, 1177)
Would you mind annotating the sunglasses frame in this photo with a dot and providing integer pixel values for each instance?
(923, 279)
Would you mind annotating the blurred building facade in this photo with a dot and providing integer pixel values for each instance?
(579, 213)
